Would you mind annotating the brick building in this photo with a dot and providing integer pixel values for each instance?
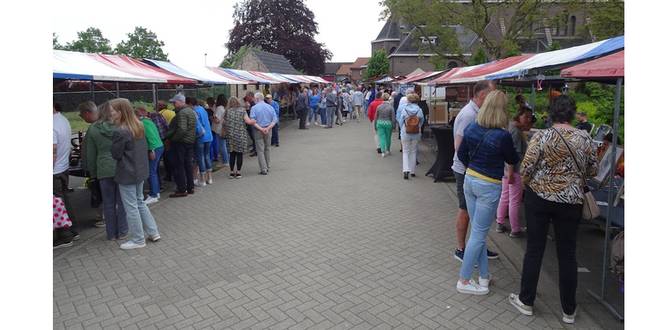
(405, 52)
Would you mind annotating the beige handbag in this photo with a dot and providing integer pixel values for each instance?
(590, 209)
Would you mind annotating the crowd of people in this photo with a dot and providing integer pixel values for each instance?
(497, 171)
(124, 145)
(497, 168)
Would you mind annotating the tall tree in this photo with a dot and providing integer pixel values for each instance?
(522, 19)
(285, 27)
(142, 43)
(606, 18)
(90, 41)
(378, 65)
(56, 42)
(437, 18)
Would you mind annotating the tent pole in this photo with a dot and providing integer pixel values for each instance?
(91, 90)
(154, 95)
(610, 201)
(117, 84)
(532, 101)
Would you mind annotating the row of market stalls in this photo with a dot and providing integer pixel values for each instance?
(601, 61)
(523, 70)
(75, 66)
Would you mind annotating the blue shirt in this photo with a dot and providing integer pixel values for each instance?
(203, 122)
(488, 158)
(314, 100)
(276, 107)
(411, 109)
(263, 113)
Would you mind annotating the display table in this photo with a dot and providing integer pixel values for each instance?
(444, 139)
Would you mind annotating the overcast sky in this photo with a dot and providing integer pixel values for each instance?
(347, 27)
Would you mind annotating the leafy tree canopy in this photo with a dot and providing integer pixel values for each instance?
(378, 65)
(56, 42)
(285, 27)
(435, 18)
(90, 41)
(142, 43)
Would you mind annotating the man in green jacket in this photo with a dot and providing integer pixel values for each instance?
(90, 114)
(181, 134)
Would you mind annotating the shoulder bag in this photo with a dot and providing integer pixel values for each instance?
(590, 209)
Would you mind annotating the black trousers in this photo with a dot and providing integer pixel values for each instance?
(251, 134)
(61, 189)
(235, 158)
(302, 118)
(168, 160)
(565, 218)
(182, 154)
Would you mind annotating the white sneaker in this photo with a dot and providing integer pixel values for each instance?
(131, 245)
(150, 200)
(383, 155)
(520, 306)
(569, 319)
(485, 282)
(471, 288)
(154, 238)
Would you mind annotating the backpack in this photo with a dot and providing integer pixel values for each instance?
(160, 122)
(411, 123)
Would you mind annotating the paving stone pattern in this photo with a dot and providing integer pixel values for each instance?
(332, 238)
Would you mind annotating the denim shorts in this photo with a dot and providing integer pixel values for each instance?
(460, 178)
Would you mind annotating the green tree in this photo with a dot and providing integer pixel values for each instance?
(479, 57)
(142, 43)
(56, 42)
(437, 18)
(606, 19)
(378, 65)
(90, 41)
(522, 19)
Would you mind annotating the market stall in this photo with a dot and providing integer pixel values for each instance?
(608, 69)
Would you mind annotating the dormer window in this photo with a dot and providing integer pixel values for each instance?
(429, 41)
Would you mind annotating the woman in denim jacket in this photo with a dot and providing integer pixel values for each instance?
(485, 149)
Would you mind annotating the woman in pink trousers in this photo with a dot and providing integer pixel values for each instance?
(511, 197)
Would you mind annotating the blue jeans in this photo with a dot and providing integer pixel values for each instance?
(203, 155)
(323, 114)
(214, 147)
(275, 139)
(154, 180)
(482, 199)
(222, 144)
(137, 213)
(113, 209)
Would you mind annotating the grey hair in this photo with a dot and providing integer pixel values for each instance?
(258, 96)
(87, 106)
(410, 91)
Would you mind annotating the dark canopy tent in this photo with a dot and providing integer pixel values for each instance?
(607, 69)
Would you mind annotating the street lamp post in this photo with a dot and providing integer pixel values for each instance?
(204, 59)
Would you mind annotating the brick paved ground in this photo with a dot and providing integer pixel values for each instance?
(332, 238)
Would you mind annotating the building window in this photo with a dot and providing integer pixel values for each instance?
(572, 25)
(392, 50)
